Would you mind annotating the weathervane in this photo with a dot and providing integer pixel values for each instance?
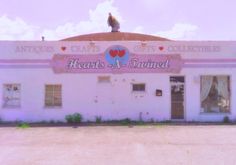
(112, 21)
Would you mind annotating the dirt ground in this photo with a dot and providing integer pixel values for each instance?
(119, 145)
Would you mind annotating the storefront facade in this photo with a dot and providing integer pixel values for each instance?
(151, 80)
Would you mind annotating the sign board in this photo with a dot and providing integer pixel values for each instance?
(116, 59)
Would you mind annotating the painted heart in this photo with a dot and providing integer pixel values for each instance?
(63, 48)
(113, 53)
(161, 48)
(121, 53)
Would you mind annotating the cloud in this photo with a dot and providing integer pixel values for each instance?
(97, 23)
(16, 29)
(138, 29)
(180, 31)
(153, 4)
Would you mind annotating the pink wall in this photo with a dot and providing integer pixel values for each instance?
(34, 64)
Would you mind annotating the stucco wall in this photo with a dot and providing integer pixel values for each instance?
(115, 100)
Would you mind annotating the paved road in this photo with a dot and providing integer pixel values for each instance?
(119, 145)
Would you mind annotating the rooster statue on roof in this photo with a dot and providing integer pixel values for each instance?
(112, 21)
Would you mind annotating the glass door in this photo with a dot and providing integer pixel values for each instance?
(177, 97)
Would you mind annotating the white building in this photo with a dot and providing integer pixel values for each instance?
(117, 76)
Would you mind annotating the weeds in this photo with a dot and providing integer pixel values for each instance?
(98, 119)
(23, 125)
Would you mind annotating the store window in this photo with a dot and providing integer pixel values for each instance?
(138, 87)
(11, 95)
(215, 94)
(53, 95)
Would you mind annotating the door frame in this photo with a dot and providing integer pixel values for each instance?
(184, 103)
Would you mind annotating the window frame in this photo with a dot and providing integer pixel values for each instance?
(4, 97)
(202, 110)
(138, 91)
(53, 104)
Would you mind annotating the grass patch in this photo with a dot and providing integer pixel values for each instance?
(23, 125)
(98, 119)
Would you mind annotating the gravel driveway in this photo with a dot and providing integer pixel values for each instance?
(119, 145)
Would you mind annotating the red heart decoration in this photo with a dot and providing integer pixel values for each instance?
(113, 53)
(121, 53)
(63, 48)
(161, 48)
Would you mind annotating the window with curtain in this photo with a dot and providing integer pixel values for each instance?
(215, 94)
(53, 96)
(11, 95)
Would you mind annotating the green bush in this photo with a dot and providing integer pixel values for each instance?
(226, 119)
(125, 121)
(52, 122)
(152, 120)
(77, 118)
(23, 125)
(98, 119)
(69, 118)
(74, 118)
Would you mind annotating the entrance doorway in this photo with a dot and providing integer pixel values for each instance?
(177, 97)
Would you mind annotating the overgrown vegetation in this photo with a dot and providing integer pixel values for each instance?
(98, 119)
(23, 125)
(226, 119)
(74, 118)
(125, 121)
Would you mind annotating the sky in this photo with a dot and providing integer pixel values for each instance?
(172, 19)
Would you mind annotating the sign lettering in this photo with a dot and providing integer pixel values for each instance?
(97, 64)
(34, 49)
